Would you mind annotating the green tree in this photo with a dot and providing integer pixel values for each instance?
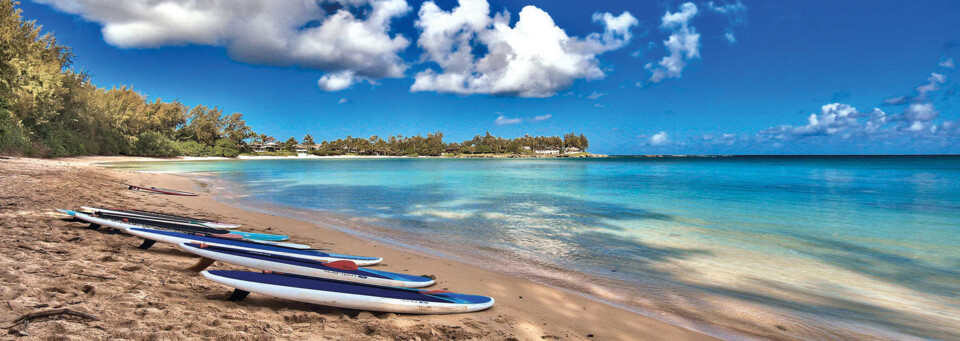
(234, 128)
(290, 145)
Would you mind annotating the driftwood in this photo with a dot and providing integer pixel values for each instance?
(24, 321)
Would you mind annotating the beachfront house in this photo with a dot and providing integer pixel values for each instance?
(264, 147)
(547, 151)
(451, 150)
(572, 150)
(302, 150)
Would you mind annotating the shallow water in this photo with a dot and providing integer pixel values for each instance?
(810, 248)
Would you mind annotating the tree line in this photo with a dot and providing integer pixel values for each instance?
(48, 108)
(432, 145)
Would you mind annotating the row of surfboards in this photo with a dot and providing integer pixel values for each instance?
(288, 271)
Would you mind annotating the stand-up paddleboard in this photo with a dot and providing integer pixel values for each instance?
(165, 216)
(177, 238)
(346, 294)
(96, 222)
(189, 227)
(161, 190)
(193, 228)
(342, 270)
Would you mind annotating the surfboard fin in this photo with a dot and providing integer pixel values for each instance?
(93, 226)
(238, 295)
(202, 264)
(147, 243)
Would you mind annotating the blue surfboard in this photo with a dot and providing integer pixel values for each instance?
(348, 294)
(343, 271)
(177, 238)
(187, 224)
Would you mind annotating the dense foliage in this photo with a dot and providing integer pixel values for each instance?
(433, 145)
(49, 109)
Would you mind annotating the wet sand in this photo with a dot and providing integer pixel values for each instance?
(48, 262)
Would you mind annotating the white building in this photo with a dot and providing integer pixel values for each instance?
(547, 151)
(264, 147)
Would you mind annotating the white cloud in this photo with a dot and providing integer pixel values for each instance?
(503, 120)
(933, 84)
(539, 118)
(920, 115)
(659, 139)
(534, 58)
(837, 127)
(322, 35)
(844, 121)
(730, 37)
(897, 100)
(948, 63)
(342, 101)
(337, 81)
(682, 45)
(833, 118)
(737, 12)
(722, 139)
(595, 95)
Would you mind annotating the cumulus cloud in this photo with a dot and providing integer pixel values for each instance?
(342, 101)
(659, 139)
(337, 81)
(503, 120)
(348, 38)
(682, 45)
(540, 118)
(845, 121)
(833, 119)
(534, 58)
(948, 63)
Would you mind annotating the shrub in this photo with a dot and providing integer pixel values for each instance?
(227, 148)
(12, 138)
(193, 148)
(155, 144)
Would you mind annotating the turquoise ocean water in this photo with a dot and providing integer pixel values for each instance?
(787, 247)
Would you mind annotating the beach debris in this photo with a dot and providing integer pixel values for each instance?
(88, 289)
(20, 325)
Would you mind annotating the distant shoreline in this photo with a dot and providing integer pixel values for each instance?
(108, 159)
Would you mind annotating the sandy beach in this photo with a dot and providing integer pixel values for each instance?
(49, 262)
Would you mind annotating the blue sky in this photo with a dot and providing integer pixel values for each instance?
(742, 78)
